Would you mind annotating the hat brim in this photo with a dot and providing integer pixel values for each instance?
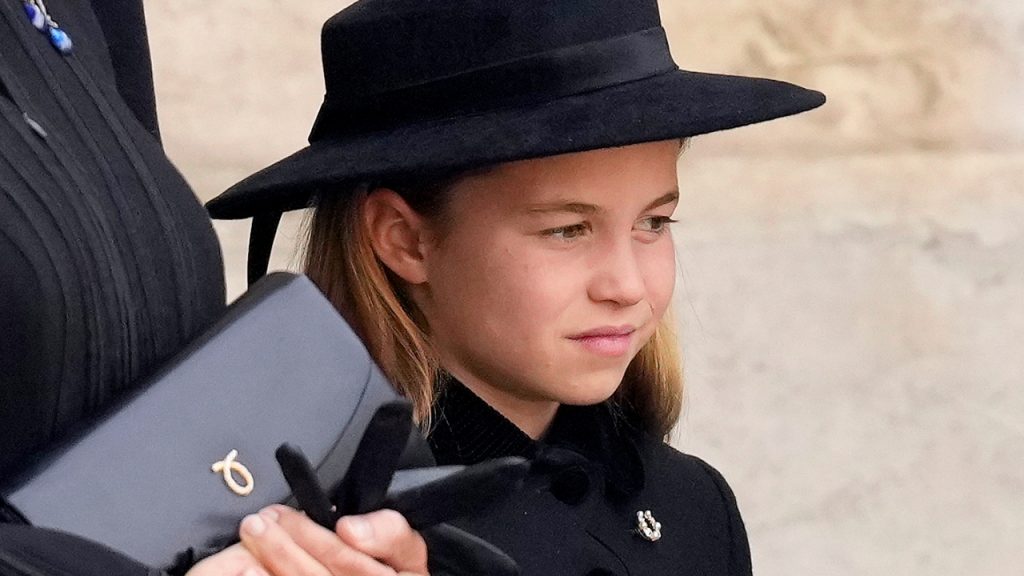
(672, 105)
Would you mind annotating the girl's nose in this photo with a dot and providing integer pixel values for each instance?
(617, 275)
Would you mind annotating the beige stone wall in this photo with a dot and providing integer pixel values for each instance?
(852, 302)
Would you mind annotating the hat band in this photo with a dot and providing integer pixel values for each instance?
(532, 80)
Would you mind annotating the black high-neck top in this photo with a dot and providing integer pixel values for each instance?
(467, 430)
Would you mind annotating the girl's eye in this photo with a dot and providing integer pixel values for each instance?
(656, 224)
(571, 232)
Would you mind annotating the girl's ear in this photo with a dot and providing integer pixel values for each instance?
(397, 234)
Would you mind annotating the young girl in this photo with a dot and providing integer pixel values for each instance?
(493, 185)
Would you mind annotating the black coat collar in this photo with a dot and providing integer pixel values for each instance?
(466, 430)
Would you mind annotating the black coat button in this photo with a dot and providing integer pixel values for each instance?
(571, 485)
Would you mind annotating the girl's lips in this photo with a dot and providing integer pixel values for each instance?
(611, 341)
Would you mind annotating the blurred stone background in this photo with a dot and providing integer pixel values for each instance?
(852, 297)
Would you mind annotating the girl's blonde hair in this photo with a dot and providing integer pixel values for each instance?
(340, 259)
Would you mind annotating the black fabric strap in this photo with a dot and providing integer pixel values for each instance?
(538, 78)
(261, 242)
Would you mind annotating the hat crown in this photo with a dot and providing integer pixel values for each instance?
(376, 47)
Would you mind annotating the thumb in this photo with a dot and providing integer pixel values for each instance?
(386, 536)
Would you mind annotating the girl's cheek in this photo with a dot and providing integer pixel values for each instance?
(660, 291)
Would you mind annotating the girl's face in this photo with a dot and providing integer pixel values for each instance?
(549, 275)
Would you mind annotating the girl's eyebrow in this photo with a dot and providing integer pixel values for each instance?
(573, 207)
(667, 198)
(583, 208)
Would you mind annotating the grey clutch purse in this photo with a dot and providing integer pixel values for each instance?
(178, 464)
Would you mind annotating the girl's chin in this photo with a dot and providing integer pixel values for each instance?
(592, 390)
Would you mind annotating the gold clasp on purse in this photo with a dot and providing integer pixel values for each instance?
(229, 465)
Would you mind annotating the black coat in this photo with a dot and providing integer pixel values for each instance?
(579, 514)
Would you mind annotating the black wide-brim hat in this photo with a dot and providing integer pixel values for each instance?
(415, 86)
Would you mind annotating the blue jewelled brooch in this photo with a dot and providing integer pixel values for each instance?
(40, 19)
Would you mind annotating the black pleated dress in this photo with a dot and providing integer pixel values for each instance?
(108, 262)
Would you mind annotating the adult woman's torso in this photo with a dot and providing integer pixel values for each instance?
(109, 264)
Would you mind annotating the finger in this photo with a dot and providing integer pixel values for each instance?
(325, 546)
(275, 549)
(386, 535)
